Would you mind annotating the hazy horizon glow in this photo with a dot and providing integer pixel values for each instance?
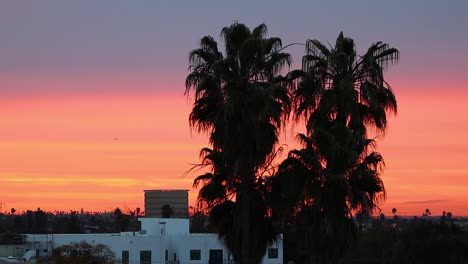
(102, 152)
(93, 110)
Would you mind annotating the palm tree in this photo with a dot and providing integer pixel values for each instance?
(138, 211)
(394, 211)
(118, 218)
(340, 95)
(241, 103)
(427, 212)
(449, 217)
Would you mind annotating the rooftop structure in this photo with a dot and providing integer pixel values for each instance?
(156, 199)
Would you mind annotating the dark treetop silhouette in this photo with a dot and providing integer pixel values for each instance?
(241, 103)
(339, 95)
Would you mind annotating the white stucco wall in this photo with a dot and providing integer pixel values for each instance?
(177, 240)
(171, 226)
(116, 242)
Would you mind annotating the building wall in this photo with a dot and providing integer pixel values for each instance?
(182, 244)
(116, 242)
(162, 226)
(177, 243)
(12, 250)
(155, 199)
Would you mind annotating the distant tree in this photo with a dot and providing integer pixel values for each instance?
(117, 212)
(72, 223)
(83, 252)
(199, 222)
(138, 211)
(394, 211)
(29, 221)
(39, 222)
(423, 241)
(450, 217)
(382, 216)
(443, 217)
(167, 211)
(374, 244)
(118, 215)
(427, 212)
(13, 210)
(18, 224)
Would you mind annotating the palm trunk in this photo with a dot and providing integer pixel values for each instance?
(245, 220)
(244, 205)
(335, 213)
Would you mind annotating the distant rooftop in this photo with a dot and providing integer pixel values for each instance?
(167, 190)
(177, 199)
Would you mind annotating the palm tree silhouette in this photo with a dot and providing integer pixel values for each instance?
(427, 212)
(241, 103)
(340, 95)
(394, 211)
(450, 217)
(138, 211)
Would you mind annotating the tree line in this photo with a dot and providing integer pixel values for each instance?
(14, 224)
(383, 239)
(411, 240)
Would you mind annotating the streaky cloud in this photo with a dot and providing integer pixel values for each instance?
(426, 202)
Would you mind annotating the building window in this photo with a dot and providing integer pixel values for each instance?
(145, 257)
(272, 253)
(195, 254)
(125, 257)
(216, 256)
(166, 255)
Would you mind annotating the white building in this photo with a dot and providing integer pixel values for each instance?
(160, 241)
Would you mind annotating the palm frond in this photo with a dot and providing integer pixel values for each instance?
(315, 47)
(202, 178)
(260, 31)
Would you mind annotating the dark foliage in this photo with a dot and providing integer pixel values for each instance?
(410, 242)
(82, 252)
(339, 95)
(241, 102)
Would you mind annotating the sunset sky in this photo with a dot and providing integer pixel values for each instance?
(93, 112)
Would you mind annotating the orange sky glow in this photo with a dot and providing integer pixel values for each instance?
(93, 112)
(98, 152)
